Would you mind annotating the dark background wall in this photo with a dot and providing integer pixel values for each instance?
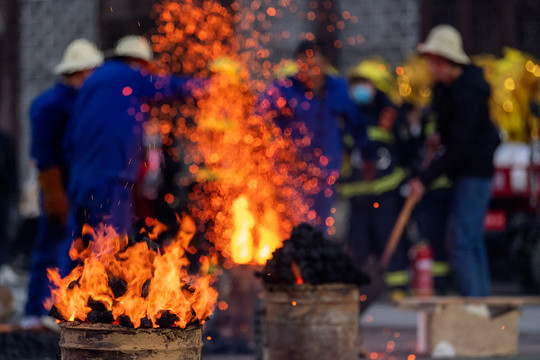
(487, 25)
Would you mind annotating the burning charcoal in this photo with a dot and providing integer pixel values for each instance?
(131, 241)
(96, 305)
(118, 286)
(152, 245)
(146, 323)
(287, 256)
(309, 276)
(320, 260)
(188, 288)
(73, 284)
(166, 319)
(125, 321)
(56, 314)
(107, 317)
(93, 316)
(103, 317)
(145, 288)
(194, 318)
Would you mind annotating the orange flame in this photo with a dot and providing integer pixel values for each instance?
(108, 257)
(298, 279)
(240, 159)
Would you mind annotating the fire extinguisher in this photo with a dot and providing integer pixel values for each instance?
(422, 269)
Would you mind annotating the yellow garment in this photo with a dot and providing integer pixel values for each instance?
(397, 278)
(375, 187)
(375, 70)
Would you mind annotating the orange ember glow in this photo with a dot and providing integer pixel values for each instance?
(156, 281)
(241, 161)
(249, 174)
(298, 280)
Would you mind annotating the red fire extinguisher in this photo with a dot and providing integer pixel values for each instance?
(422, 270)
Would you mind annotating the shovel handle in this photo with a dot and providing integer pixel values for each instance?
(397, 230)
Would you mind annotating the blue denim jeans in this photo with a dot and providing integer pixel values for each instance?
(468, 254)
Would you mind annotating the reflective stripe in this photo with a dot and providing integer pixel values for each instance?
(441, 268)
(440, 183)
(375, 187)
(396, 278)
(375, 133)
(348, 140)
(431, 126)
(205, 174)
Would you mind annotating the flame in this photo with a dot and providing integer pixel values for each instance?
(298, 279)
(242, 240)
(155, 281)
(247, 189)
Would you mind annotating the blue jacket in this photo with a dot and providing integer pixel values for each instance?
(104, 136)
(49, 115)
(322, 118)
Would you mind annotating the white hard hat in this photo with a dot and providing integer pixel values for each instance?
(445, 41)
(80, 55)
(134, 46)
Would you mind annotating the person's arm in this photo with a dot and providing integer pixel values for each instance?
(167, 87)
(461, 139)
(44, 121)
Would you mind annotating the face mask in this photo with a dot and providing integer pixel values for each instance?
(362, 94)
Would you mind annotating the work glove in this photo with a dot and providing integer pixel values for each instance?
(55, 202)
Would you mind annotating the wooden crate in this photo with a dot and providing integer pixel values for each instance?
(463, 326)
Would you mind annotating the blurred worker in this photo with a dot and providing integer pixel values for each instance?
(8, 194)
(311, 106)
(467, 139)
(49, 115)
(432, 213)
(104, 137)
(375, 203)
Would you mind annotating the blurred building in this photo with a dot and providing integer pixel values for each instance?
(34, 33)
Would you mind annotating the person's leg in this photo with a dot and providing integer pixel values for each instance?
(74, 230)
(322, 205)
(44, 256)
(432, 215)
(386, 208)
(5, 240)
(466, 235)
(358, 235)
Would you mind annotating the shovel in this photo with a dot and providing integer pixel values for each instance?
(376, 269)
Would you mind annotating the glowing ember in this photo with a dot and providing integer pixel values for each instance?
(131, 284)
(246, 189)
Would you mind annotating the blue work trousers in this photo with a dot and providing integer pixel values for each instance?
(371, 220)
(44, 255)
(468, 207)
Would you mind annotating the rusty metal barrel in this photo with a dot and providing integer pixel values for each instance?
(311, 322)
(106, 342)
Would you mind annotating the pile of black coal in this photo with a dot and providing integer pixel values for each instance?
(308, 257)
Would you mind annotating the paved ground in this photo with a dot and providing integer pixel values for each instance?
(389, 333)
